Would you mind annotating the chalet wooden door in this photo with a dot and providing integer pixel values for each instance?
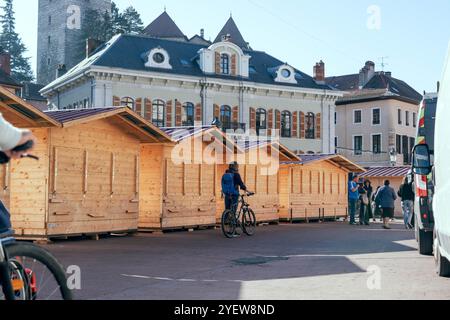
(4, 185)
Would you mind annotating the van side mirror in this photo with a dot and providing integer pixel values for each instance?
(421, 160)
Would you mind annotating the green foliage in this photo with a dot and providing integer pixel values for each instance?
(11, 42)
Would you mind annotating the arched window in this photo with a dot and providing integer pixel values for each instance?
(187, 116)
(310, 126)
(225, 64)
(261, 120)
(226, 117)
(127, 102)
(158, 115)
(286, 124)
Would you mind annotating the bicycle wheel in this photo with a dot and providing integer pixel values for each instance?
(36, 274)
(228, 224)
(249, 222)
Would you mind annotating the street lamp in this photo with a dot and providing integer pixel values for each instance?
(393, 156)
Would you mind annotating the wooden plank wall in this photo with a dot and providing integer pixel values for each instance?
(311, 191)
(29, 190)
(93, 180)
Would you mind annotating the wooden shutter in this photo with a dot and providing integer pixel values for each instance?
(318, 126)
(278, 120)
(233, 65)
(252, 119)
(217, 62)
(295, 124)
(302, 125)
(169, 107)
(270, 122)
(139, 106)
(148, 109)
(198, 112)
(178, 114)
(236, 114)
(116, 101)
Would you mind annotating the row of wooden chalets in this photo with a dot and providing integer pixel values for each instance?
(109, 170)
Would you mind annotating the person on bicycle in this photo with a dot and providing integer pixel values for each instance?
(231, 184)
(11, 137)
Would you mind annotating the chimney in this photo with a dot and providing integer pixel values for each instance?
(366, 73)
(61, 70)
(202, 33)
(5, 63)
(319, 72)
(438, 86)
(92, 45)
(388, 74)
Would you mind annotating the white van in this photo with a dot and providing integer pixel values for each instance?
(441, 174)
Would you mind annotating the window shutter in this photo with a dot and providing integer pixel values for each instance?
(270, 122)
(178, 115)
(217, 62)
(318, 126)
(295, 124)
(233, 65)
(236, 114)
(278, 120)
(139, 106)
(116, 101)
(198, 112)
(148, 109)
(169, 107)
(302, 125)
(252, 119)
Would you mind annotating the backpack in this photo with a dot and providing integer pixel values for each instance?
(228, 188)
(5, 219)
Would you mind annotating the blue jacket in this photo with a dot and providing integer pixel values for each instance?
(386, 197)
(353, 195)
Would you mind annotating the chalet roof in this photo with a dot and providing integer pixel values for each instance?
(252, 144)
(386, 172)
(164, 27)
(231, 29)
(337, 160)
(146, 130)
(12, 106)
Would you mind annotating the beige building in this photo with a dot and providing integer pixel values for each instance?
(376, 120)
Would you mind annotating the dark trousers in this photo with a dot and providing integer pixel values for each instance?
(231, 202)
(363, 213)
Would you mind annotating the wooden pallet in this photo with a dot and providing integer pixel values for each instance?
(84, 236)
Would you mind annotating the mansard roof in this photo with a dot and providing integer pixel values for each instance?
(128, 52)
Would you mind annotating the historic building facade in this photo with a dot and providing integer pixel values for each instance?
(176, 81)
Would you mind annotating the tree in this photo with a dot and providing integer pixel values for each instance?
(105, 25)
(12, 43)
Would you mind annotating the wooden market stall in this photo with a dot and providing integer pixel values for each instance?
(259, 168)
(315, 188)
(177, 181)
(87, 179)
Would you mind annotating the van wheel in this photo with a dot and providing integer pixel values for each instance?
(425, 243)
(442, 264)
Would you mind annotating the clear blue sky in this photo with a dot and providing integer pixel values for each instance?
(414, 34)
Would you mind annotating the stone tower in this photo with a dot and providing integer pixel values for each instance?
(60, 36)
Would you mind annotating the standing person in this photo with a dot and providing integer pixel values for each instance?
(376, 206)
(406, 193)
(353, 196)
(386, 198)
(231, 184)
(363, 205)
(369, 189)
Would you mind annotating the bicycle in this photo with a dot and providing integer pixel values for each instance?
(28, 272)
(231, 219)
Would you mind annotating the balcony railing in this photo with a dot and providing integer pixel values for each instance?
(233, 126)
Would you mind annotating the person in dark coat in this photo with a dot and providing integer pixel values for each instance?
(232, 201)
(363, 205)
(386, 198)
(406, 193)
(369, 189)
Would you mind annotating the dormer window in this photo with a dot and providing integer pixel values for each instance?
(285, 73)
(225, 64)
(158, 58)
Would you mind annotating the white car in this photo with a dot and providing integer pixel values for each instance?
(441, 174)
